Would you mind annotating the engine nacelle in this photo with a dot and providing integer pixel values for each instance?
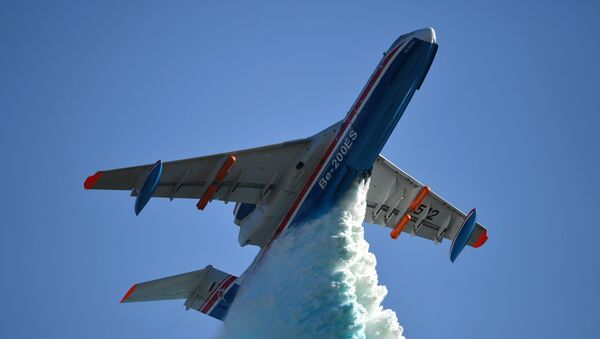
(241, 211)
(251, 220)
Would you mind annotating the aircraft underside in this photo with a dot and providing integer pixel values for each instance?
(277, 187)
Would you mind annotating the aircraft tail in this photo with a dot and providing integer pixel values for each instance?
(208, 290)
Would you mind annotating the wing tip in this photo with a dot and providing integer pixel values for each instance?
(482, 239)
(91, 181)
(129, 293)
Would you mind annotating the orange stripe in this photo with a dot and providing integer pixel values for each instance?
(212, 189)
(396, 232)
(210, 192)
(225, 168)
(419, 199)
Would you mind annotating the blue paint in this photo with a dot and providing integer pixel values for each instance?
(220, 311)
(244, 210)
(149, 187)
(433, 52)
(463, 236)
(372, 126)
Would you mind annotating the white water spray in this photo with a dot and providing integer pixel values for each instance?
(317, 280)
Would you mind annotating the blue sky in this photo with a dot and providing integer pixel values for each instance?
(506, 121)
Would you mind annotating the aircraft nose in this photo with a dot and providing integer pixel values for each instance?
(425, 34)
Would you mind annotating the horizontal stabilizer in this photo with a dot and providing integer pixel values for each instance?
(209, 291)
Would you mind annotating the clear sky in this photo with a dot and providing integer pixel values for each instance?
(506, 121)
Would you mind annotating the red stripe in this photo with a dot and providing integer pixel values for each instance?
(351, 115)
(215, 295)
(129, 293)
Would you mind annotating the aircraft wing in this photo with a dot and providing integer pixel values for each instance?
(393, 194)
(241, 176)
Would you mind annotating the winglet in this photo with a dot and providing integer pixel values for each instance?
(482, 239)
(149, 187)
(91, 181)
(463, 235)
(129, 293)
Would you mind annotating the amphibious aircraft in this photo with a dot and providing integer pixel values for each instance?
(276, 187)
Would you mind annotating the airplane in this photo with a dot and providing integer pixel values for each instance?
(276, 187)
